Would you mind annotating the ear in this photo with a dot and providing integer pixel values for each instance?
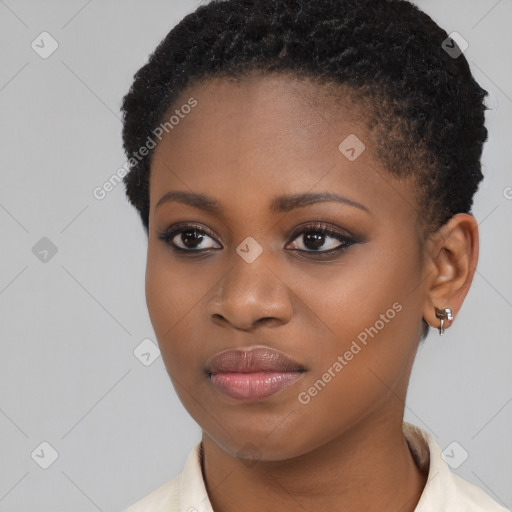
(452, 257)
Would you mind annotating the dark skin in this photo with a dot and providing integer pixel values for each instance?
(243, 145)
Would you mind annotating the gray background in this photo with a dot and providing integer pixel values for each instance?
(70, 325)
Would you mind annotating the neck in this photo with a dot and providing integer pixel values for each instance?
(369, 467)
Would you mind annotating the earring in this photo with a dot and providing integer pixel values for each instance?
(443, 314)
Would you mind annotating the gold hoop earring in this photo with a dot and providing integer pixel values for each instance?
(443, 314)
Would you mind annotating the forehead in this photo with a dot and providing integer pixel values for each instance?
(266, 105)
(247, 141)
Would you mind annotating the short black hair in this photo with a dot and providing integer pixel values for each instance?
(427, 112)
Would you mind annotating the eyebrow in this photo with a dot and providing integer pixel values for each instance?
(280, 204)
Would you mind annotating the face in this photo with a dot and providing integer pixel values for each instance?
(271, 262)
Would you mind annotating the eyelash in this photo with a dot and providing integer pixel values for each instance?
(316, 228)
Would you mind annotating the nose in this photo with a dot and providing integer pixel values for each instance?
(251, 294)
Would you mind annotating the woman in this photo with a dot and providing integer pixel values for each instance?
(305, 174)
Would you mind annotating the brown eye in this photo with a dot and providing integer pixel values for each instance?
(318, 238)
(189, 238)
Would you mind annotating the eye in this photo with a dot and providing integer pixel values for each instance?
(188, 238)
(319, 235)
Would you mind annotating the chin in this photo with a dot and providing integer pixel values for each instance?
(251, 440)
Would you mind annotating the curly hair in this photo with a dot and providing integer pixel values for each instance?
(426, 111)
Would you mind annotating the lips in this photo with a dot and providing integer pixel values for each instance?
(261, 359)
(252, 374)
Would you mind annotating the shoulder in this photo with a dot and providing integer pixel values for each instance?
(164, 498)
(186, 491)
(444, 491)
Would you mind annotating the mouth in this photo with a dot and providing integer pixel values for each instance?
(253, 374)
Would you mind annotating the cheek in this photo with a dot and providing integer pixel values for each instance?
(350, 297)
(172, 294)
(370, 313)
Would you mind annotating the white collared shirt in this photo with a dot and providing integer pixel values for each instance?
(443, 492)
